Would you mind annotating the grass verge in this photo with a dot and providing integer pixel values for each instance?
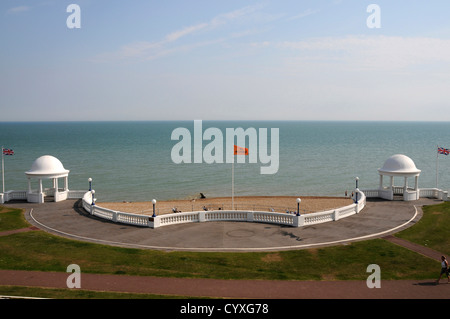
(433, 229)
(12, 218)
(17, 291)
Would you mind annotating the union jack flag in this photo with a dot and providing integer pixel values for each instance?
(7, 151)
(444, 151)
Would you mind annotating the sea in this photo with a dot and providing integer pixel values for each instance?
(132, 161)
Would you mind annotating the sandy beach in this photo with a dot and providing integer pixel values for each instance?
(283, 204)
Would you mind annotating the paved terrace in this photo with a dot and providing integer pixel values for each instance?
(378, 219)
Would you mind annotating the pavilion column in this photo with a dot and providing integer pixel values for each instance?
(29, 185)
(55, 182)
(392, 183)
(56, 190)
(406, 184)
(381, 181)
(66, 183)
(416, 183)
(40, 192)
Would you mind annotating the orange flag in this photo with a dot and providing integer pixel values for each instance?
(240, 150)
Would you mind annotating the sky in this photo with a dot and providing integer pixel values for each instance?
(225, 60)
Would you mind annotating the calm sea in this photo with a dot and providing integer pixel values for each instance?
(132, 160)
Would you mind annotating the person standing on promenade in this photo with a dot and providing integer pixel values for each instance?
(444, 269)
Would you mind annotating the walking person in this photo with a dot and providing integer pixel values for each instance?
(444, 269)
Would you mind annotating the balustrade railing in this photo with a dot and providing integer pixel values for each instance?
(221, 215)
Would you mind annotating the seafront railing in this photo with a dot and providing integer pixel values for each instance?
(434, 193)
(411, 194)
(222, 215)
(13, 195)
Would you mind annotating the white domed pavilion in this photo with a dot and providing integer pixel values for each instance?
(44, 168)
(399, 166)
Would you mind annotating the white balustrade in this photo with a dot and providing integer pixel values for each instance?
(132, 219)
(226, 215)
(103, 213)
(75, 194)
(371, 193)
(398, 190)
(346, 211)
(222, 215)
(178, 218)
(274, 218)
(317, 218)
(15, 195)
(243, 216)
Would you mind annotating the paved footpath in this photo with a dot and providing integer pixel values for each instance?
(253, 289)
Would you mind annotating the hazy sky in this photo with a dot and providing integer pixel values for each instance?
(223, 60)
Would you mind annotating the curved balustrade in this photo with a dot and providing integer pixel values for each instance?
(132, 219)
(319, 218)
(179, 218)
(222, 215)
(274, 218)
(226, 216)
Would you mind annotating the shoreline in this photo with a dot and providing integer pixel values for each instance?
(281, 204)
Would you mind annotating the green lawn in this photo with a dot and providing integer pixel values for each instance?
(11, 218)
(41, 251)
(38, 250)
(433, 229)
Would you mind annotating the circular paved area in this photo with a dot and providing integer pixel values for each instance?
(378, 219)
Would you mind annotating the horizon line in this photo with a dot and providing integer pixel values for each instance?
(225, 120)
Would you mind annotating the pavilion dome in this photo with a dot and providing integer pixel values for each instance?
(47, 165)
(399, 164)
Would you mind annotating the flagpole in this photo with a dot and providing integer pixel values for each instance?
(437, 165)
(232, 185)
(3, 172)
